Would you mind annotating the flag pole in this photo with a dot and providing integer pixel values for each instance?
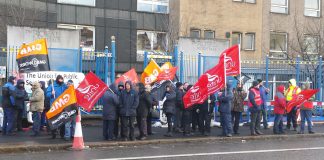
(225, 73)
(239, 46)
(53, 87)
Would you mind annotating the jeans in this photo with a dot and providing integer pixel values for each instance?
(204, 121)
(43, 119)
(225, 119)
(278, 124)
(108, 129)
(306, 115)
(236, 116)
(69, 128)
(127, 123)
(255, 121)
(142, 126)
(292, 118)
(8, 121)
(36, 122)
(264, 116)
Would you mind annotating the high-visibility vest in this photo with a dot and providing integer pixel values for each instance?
(257, 97)
(294, 93)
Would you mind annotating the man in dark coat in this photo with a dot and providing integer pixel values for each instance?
(109, 112)
(169, 107)
(225, 99)
(118, 117)
(8, 104)
(178, 125)
(205, 114)
(255, 108)
(186, 119)
(145, 103)
(20, 97)
(128, 104)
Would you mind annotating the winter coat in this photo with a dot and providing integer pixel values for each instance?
(59, 89)
(170, 102)
(8, 93)
(280, 101)
(179, 98)
(37, 98)
(255, 107)
(263, 94)
(204, 106)
(111, 102)
(20, 95)
(225, 101)
(128, 102)
(238, 100)
(145, 103)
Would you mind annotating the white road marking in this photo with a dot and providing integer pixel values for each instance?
(215, 153)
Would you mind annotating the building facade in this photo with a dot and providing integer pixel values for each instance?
(138, 25)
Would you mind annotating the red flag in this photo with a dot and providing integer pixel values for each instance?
(232, 60)
(131, 75)
(216, 78)
(197, 93)
(167, 74)
(89, 91)
(302, 97)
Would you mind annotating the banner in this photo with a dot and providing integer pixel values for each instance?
(167, 74)
(131, 75)
(232, 60)
(62, 108)
(166, 65)
(302, 97)
(89, 91)
(150, 73)
(33, 57)
(196, 94)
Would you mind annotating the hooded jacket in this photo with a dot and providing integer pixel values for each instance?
(111, 103)
(280, 101)
(20, 95)
(289, 91)
(58, 88)
(170, 102)
(37, 98)
(8, 95)
(225, 100)
(145, 102)
(128, 101)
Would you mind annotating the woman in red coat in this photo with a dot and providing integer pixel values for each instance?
(279, 110)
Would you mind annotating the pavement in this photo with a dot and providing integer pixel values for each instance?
(92, 134)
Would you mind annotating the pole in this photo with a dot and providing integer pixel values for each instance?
(320, 79)
(113, 58)
(181, 67)
(106, 65)
(297, 69)
(176, 54)
(267, 73)
(80, 59)
(145, 60)
(240, 64)
(199, 64)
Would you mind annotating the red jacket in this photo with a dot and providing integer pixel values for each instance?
(280, 101)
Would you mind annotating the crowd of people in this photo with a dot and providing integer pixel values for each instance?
(127, 104)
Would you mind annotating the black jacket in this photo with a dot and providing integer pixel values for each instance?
(204, 106)
(128, 102)
(111, 103)
(170, 102)
(20, 95)
(145, 103)
(179, 98)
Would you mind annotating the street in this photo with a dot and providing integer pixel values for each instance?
(288, 149)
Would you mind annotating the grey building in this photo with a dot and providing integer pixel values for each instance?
(138, 25)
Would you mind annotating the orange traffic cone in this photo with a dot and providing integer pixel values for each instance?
(78, 143)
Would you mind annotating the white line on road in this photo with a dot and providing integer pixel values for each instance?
(215, 153)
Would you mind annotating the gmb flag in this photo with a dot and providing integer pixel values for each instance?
(33, 57)
(62, 109)
(150, 73)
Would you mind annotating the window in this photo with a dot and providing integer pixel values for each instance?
(208, 34)
(195, 33)
(246, 1)
(87, 35)
(311, 44)
(236, 38)
(278, 45)
(249, 41)
(79, 2)
(156, 6)
(312, 8)
(279, 6)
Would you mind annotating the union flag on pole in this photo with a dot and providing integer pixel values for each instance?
(216, 78)
(131, 75)
(167, 74)
(232, 59)
(302, 97)
(90, 90)
(196, 94)
(150, 73)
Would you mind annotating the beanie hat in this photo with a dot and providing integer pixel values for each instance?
(255, 83)
(259, 80)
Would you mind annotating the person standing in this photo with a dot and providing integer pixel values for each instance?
(8, 103)
(69, 126)
(306, 113)
(109, 112)
(205, 115)
(186, 119)
(238, 106)
(128, 104)
(145, 104)
(118, 117)
(169, 107)
(178, 124)
(53, 92)
(264, 108)
(255, 103)
(279, 110)
(36, 107)
(291, 92)
(20, 97)
(225, 99)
